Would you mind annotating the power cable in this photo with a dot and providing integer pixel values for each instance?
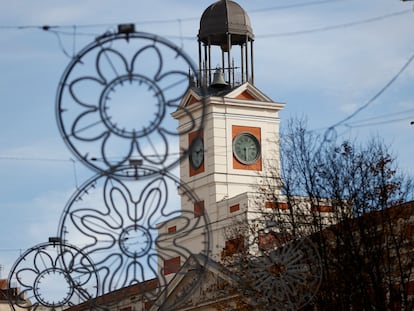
(62, 47)
(320, 29)
(114, 158)
(180, 20)
(334, 27)
(331, 132)
(382, 119)
(165, 21)
(376, 96)
(54, 29)
(32, 159)
(293, 6)
(75, 174)
(14, 158)
(378, 122)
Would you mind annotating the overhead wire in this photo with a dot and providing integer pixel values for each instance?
(282, 34)
(330, 131)
(15, 158)
(40, 159)
(166, 21)
(61, 46)
(54, 28)
(294, 5)
(379, 122)
(377, 95)
(75, 33)
(382, 119)
(334, 27)
(57, 30)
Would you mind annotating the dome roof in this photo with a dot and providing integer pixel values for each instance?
(222, 18)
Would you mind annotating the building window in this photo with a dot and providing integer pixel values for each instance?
(269, 240)
(172, 265)
(322, 208)
(148, 305)
(234, 208)
(172, 229)
(198, 209)
(234, 246)
(276, 205)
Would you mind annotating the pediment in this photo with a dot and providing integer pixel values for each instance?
(200, 282)
(191, 97)
(248, 91)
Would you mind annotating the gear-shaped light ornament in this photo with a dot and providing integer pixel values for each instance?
(131, 228)
(51, 277)
(115, 98)
(46, 282)
(288, 276)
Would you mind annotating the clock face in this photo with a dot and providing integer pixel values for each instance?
(246, 148)
(46, 290)
(197, 152)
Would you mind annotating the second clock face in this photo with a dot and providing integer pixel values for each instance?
(246, 148)
(196, 152)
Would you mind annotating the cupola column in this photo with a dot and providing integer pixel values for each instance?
(226, 25)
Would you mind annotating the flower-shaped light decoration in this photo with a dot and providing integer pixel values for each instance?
(135, 230)
(286, 277)
(50, 277)
(115, 98)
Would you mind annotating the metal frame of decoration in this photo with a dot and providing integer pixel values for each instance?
(52, 275)
(139, 79)
(284, 277)
(113, 107)
(123, 226)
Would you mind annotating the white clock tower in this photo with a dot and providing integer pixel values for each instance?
(230, 156)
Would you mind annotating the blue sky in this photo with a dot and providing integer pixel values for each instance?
(324, 59)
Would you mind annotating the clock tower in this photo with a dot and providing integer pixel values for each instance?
(238, 142)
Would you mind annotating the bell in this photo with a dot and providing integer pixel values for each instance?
(218, 79)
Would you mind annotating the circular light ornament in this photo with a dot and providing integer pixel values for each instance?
(132, 227)
(286, 277)
(51, 276)
(114, 101)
